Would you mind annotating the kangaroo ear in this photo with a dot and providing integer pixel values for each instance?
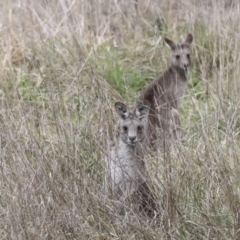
(189, 39)
(142, 109)
(121, 110)
(170, 43)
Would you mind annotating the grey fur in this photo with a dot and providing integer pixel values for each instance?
(126, 165)
(165, 94)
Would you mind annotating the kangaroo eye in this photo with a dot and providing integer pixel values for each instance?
(188, 55)
(139, 128)
(177, 56)
(125, 128)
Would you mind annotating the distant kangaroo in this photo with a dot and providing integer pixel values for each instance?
(165, 94)
(126, 166)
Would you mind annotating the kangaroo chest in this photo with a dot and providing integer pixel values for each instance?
(179, 89)
(125, 167)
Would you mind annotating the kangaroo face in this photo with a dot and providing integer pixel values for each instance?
(181, 53)
(132, 131)
(133, 124)
(181, 57)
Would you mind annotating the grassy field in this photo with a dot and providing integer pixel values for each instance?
(63, 64)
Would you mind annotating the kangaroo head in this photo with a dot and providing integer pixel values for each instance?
(133, 123)
(181, 53)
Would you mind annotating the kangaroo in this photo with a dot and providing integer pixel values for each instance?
(126, 167)
(165, 94)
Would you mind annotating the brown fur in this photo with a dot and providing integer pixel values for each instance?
(165, 94)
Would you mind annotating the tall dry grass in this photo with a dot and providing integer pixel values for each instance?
(63, 64)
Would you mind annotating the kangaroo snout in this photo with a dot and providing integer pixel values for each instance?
(186, 66)
(132, 139)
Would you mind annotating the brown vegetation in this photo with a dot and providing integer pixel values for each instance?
(62, 66)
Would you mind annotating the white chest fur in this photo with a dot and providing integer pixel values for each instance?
(179, 91)
(124, 169)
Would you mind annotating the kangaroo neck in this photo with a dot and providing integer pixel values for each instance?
(135, 149)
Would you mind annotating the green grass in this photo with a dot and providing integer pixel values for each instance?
(121, 72)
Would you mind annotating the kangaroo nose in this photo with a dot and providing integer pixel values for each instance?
(132, 138)
(185, 66)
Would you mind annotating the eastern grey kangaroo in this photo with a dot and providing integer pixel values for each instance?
(165, 94)
(126, 167)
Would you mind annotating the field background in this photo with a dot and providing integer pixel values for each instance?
(63, 64)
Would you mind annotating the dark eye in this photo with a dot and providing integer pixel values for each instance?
(177, 56)
(125, 128)
(188, 55)
(139, 128)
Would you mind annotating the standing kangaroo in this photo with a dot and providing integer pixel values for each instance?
(165, 94)
(126, 167)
